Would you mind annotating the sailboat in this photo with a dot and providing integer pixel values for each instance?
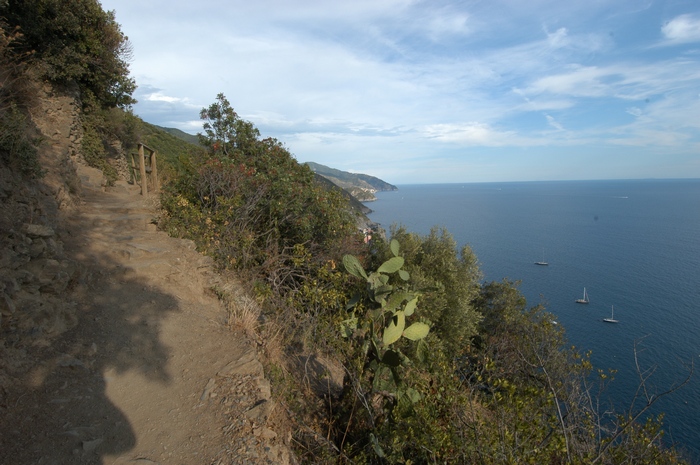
(542, 263)
(585, 298)
(612, 316)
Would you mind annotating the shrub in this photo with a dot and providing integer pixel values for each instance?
(76, 41)
(18, 149)
(94, 152)
(448, 281)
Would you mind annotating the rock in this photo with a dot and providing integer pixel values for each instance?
(7, 257)
(9, 285)
(265, 389)
(207, 389)
(37, 248)
(260, 412)
(7, 306)
(69, 361)
(38, 230)
(247, 364)
(23, 277)
(89, 446)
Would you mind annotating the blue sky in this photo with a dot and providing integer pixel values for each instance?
(436, 91)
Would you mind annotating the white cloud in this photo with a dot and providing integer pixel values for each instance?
(160, 97)
(583, 81)
(473, 133)
(635, 111)
(628, 81)
(189, 126)
(554, 123)
(447, 24)
(682, 29)
(559, 38)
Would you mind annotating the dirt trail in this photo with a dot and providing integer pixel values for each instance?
(151, 373)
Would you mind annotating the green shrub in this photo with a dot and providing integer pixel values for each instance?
(95, 153)
(18, 149)
(448, 281)
(251, 205)
(76, 41)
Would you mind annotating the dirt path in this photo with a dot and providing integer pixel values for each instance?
(151, 373)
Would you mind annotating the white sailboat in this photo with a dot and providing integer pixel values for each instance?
(585, 298)
(612, 316)
(542, 263)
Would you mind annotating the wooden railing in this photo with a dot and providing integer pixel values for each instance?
(146, 170)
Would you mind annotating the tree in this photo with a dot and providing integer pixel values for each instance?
(76, 41)
(226, 132)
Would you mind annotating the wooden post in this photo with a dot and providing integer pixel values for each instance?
(133, 168)
(154, 172)
(142, 166)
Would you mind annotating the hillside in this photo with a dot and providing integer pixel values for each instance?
(182, 135)
(361, 186)
(170, 143)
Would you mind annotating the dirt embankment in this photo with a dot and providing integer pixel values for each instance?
(113, 349)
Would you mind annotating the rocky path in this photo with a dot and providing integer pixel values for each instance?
(150, 372)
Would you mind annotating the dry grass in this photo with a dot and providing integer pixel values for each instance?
(244, 315)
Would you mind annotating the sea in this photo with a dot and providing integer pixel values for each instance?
(634, 245)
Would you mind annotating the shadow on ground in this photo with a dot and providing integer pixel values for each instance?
(57, 410)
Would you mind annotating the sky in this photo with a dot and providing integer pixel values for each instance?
(435, 91)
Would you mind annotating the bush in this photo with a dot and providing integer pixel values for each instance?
(17, 148)
(76, 41)
(448, 281)
(256, 202)
(94, 151)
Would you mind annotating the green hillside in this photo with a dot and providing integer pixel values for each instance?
(360, 186)
(182, 135)
(169, 143)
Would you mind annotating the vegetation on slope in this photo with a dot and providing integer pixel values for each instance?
(357, 179)
(438, 366)
(75, 42)
(79, 47)
(17, 144)
(360, 186)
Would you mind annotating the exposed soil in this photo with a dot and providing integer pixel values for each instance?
(126, 355)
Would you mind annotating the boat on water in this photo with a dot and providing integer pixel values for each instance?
(612, 316)
(585, 298)
(542, 263)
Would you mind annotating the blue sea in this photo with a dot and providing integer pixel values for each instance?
(633, 244)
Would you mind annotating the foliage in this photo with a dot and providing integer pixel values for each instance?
(65, 42)
(249, 204)
(17, 148)
(381, 317)
(76, 41)
(226, 133)
(381, 322)
(448, 281)
(537, 392)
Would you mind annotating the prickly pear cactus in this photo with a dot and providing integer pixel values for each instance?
(388, 316)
